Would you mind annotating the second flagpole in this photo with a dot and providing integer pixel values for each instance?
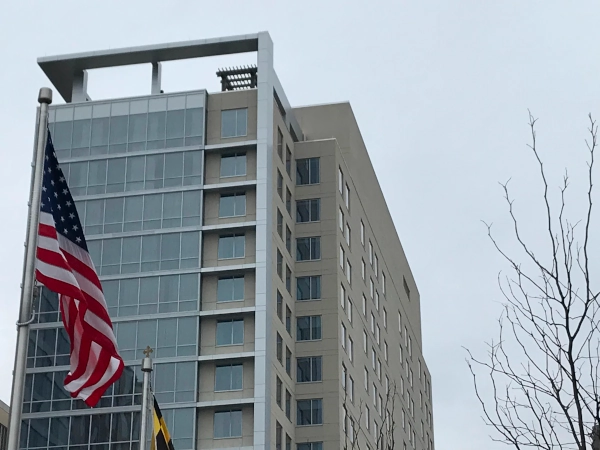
(147, 370)
(27, 285)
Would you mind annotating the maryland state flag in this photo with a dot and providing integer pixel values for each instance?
(161, 439)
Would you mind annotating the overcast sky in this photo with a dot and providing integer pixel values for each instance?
(440, 90)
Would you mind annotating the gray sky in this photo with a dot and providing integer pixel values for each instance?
(440, 90)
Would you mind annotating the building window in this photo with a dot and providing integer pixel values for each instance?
(308, 248)
(350, 349)
(279, 305)
(278, 436)
(363, 269)
(278, 392)
(233, 165)
(364, 305)
(279, 184)
(231, 246)
(288, 160)
(343, 335)
(279, 264)
(377, 300)
(309, 369)
(288, 201)
(365, 343)
(372, 324)
(341, 219)
(349, 311)
(288, 361)
(348, 272)
(279, 348)
(342, 296)
(367, 418)
(383, 282)
(348, 240)
(228, 424)
(288, 319)
(307, 171)
(234, 122)
(280, 143)
(279, 223)
(308, 328)
(310, 446)
(288, 279)
(308, 288)
(232, 205)
(366, 379)
(344, 377)
(340, 181)
(347, 197)
(342, 256)
(230, 289)
(288, 404)
(230, 332)
(229, 377)
(406, 288)
(376, 265)
(384, 318)
(385, 351)
(288, 239)
(308, 210)
(310, 412)
(351, 389)
(371, 289)
(362, 233)
(370, 253)
(378, 334)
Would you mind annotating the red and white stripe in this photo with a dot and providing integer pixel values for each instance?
(67, 269)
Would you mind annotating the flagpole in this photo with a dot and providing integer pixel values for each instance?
(27, 285)
(147, 369)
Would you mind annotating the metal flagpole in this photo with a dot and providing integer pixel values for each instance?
(27, 285)
(147, 369)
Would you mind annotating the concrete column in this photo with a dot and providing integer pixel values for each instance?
(80, 80)
(156, 78)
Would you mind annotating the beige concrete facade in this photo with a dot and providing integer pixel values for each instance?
(331, 135)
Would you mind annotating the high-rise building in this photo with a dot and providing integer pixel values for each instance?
(249, 244)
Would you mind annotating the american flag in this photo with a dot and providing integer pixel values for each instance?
(64, 266)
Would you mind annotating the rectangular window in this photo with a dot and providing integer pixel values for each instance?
(279, 305)
(288, 404)
(288, 201)
(288, 361)
(373, 358)
(278, 391)
(288, 279)
(350, 349)
(349, 311)
(378, 369)
(364, 305)
(378, 334)
(308, 248)
(279, 223)
(342, 296)
(370, 253)
(341, 219)
(230, 289)
(372, 324)
(279, 348)
(377, 300)
(230, 332)
(371, 289)
(308, 210)
(309, 369)
(228, 377)
(340, 181)
(232, 205)
(344, 377)
(348, 272)
(308, 328)
(347, 197)
(307, 171)
(366, 379)
(406, 288)
(278, 436)
(232, 246)
(376, 265)
(288, 160)
(308, 288)
(342, 256)
(367, 418)
(288, 239)
(280, 143)
(234, 123)
(288, 319)
(310, 412)
(279, 184)
(279, 264)
(384, 318)
(362, 233)
(227, 424)
(387, 385)
(410, 346)
(383, 282)
(363, 270)
(310, 446)
(351, 389)
(348, 240)
(365, 343)
(385, 351)
(343, 335)
(233, 165)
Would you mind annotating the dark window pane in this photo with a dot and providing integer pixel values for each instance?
(193, 122)
(175, 124)
(100, 127)
(137, 127)
(118, 129)
(81, 133)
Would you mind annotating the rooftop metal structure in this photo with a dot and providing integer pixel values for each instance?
(238, 78)
(68, 73)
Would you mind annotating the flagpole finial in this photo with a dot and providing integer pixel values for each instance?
(147, 361)
(45, 95)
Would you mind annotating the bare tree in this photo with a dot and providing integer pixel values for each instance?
(542, 370)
